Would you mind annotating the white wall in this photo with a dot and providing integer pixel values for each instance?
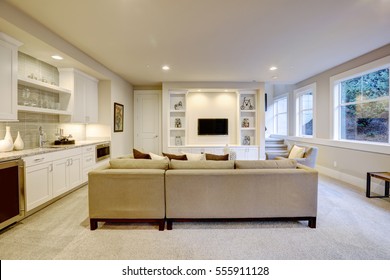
(343, 160)
(211, 105)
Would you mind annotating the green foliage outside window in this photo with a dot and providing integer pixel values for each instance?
(365, 107)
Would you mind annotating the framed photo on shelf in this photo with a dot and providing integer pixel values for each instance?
(118, 117)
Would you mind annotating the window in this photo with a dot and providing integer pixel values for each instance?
(304, 108)
(280, 116)
(362, 106)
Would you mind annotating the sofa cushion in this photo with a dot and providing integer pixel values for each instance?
(139, 164)
(140, 155)
(195, 157)
(201, 164)
(217, 157)
(296, 152)
(173, 156)
(157, 157)
(266, 164)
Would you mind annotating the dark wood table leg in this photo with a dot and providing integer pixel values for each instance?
(368, 186)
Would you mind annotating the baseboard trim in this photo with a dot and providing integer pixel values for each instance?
(353, 180)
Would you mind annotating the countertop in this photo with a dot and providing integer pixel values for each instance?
(13, 155)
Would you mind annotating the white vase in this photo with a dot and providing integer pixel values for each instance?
(8, 138)
(18, 144)
(5, 146)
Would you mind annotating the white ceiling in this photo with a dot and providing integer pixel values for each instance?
(216, 40)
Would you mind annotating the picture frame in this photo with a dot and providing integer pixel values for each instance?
(118, 117)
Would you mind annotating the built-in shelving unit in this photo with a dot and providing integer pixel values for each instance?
(40, 97)
(248, 116)
(177, 118)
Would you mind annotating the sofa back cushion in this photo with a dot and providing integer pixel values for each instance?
(139, 164)
(201, 164)
(266, 164)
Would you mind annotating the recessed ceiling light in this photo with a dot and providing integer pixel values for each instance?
(273, 68)
(274, 77)
(166, 68)
(57, 57)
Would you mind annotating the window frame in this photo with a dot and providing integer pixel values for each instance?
(276, 113)
(298, 120)
(335, 89)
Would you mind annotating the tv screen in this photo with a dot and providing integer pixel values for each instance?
(212, 126)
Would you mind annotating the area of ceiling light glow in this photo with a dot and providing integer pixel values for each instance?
(166, 68)
(273, 68)
(57, 57)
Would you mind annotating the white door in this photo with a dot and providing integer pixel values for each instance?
(147, 120)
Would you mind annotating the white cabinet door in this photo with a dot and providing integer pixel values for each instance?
(84, 101)
(8, 77)
(246, 153)
(60, 180)
(91, 101)
(79, 99)
(74, 171)
(39, 185)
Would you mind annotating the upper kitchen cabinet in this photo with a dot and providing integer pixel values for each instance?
(84, 99)
(8, 77)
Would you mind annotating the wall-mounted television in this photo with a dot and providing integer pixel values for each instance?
(213, 127)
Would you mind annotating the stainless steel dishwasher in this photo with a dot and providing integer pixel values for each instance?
(11, 192)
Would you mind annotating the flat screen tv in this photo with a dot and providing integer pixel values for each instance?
(212, 126)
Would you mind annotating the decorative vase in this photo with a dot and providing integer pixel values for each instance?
(18, 144)
(5, 146)
(8, 138)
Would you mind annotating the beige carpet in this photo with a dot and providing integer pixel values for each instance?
(349, 226)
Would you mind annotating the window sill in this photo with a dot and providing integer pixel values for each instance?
(350, 145)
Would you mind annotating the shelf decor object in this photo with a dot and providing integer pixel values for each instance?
(18, 144)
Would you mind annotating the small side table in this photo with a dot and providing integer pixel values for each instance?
(385, 176)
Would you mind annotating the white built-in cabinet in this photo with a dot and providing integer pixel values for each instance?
(67, 173)
(84, 99)
(8, 77)
(52, 174)
(246, 148)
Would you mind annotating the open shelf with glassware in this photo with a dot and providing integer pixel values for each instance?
(40, 97)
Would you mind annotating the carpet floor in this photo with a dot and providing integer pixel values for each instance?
(349, 226)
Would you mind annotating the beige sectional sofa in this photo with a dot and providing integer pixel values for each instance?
(128, 191)
(143, 190)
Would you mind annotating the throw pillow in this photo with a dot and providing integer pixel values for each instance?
(156, 157)
(297, 152)
(177, 157)
(140, 155)
(194, 157)
(217, 157)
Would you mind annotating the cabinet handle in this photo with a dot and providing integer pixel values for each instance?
(39, 159)
(71, 161)
(51, 167)
(89, 149)
(67, 162)
(89, 159)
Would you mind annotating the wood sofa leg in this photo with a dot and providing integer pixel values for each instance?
(161, 225)
(93, 224)
(169, 225)
(313, 222)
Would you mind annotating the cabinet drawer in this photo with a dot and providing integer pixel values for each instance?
(89, 149)
(37, 159)
(88, 160)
